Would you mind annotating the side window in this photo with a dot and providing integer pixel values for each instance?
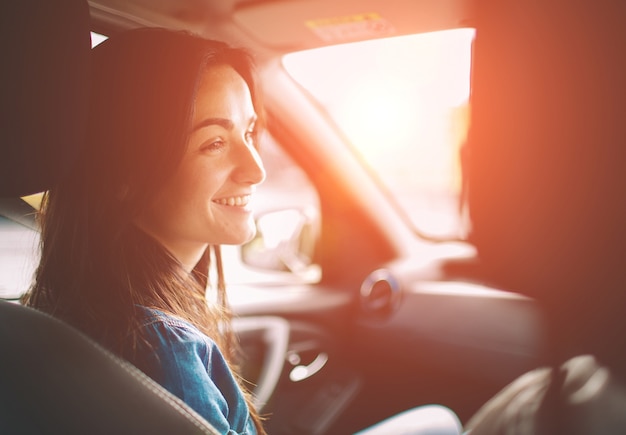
(286, 208)
(18, 258)
(286, 184)
(97, 38)
(410, 125)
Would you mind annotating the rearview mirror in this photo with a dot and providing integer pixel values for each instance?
(285, 241)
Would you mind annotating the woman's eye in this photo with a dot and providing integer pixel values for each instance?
(213, 146)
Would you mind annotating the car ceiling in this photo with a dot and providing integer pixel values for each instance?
(274, 27)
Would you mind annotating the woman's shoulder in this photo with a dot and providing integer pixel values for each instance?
(160, 328)
(190, 365)
(152, 316)
(173, 344)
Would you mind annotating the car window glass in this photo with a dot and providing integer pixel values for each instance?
(18, 248)
(403, 104)
(97, 38)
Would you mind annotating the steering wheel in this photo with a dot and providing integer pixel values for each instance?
(266, 337)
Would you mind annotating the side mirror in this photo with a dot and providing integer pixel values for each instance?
(285, 241)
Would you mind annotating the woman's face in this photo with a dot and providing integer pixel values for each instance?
(207, 199)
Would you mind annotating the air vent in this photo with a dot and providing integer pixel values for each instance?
(380, 293)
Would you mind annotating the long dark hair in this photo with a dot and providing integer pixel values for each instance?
(96, 266)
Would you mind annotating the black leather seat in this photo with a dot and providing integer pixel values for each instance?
(53, 379)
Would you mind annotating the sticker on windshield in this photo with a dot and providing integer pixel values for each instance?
(351, 28)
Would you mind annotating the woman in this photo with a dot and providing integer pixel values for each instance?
(166, 175)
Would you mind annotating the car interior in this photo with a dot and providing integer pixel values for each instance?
(381, 278)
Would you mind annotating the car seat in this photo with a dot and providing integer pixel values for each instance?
(53, 379)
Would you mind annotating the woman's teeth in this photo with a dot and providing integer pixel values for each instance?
(234, 201)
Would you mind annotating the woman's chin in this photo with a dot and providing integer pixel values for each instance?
(243, 237)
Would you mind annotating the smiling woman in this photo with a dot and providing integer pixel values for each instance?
(164, 178)
(402, 102)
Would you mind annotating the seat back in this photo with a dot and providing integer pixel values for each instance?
(53, 379)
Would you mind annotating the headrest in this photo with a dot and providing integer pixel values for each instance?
(45, 66)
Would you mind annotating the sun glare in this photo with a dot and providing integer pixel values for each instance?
(402, 102)
(377, 119)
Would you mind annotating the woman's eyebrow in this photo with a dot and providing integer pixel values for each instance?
(222, 122)
(225, 123)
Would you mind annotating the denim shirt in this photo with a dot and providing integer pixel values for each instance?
(189, 364)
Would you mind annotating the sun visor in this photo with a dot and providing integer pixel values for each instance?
(298, 25)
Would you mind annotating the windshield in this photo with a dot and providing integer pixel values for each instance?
(403, 104)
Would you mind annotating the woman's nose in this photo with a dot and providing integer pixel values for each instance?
(249, 168)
